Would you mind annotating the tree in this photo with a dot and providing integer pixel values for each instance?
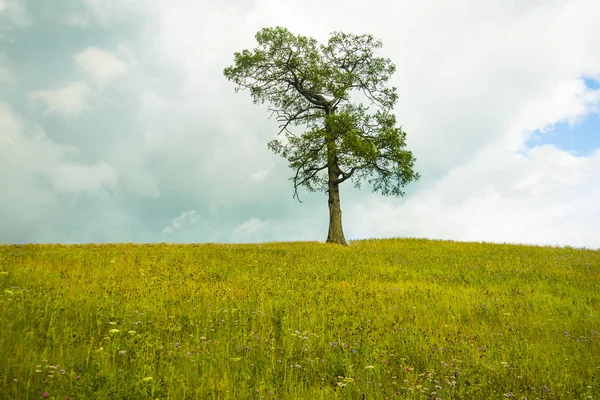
(309, 85)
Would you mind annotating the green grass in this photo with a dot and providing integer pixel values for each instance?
(402, 318)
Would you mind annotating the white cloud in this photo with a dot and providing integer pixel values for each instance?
(78, 178)
(260, 175)
(101, 65)
(7, 78)
(544, 197)
(102, 12)
(250, 227)
(68, 100)
(13, 13)
(27, 150)
(73, 98)
(40, 179)
(185, 220)
(567, 101)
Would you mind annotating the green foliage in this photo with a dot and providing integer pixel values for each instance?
(310, 86)
(408, 318)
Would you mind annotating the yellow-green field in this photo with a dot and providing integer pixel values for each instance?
(401, 318)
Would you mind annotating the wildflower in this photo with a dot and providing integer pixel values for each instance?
(121, 352)
(46, 394)
(131, 332)
(202, 337)
(147, 379)
(113, 331)
(369, 367)
(112, 323)
(77, 377)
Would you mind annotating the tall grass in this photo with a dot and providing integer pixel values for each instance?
(402, 318)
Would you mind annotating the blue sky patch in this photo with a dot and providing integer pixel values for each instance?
(581, 139)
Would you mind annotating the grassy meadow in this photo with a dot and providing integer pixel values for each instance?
(379, 319)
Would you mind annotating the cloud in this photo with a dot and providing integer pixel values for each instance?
(545, 196)
(102, 12)
(187, 219)
(567, 101)
(73, 98)
(76, 177)
(250, 227)
(101, 65)
(260, 175)
(42, 181)
(6, 76)
(13, 13)
(68, 100)
(28, 151)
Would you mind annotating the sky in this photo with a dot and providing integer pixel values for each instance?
(117, 125)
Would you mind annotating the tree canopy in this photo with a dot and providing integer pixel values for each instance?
(314, 87)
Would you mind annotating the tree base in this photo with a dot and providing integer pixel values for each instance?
(340, 241)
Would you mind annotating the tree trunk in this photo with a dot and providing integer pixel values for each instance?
(336, 234)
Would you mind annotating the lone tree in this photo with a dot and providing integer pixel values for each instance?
(310, 85)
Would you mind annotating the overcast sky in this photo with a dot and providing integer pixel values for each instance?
(116, 123)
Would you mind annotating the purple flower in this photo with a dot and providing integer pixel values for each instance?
(46, 394)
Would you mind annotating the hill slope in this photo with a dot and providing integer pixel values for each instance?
(404, 318)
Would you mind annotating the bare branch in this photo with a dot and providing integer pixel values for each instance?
(315, 171)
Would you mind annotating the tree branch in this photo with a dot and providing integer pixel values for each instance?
(306, 179)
